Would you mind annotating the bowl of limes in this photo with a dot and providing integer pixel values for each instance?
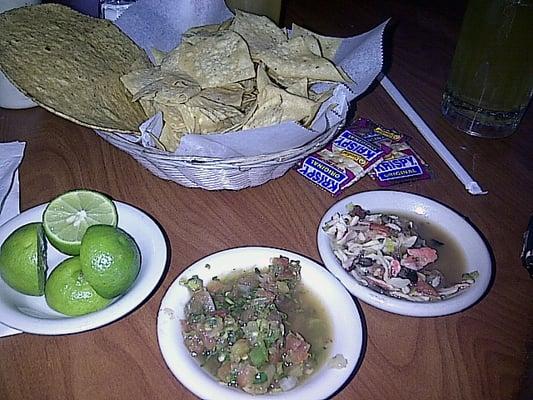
(76, 263)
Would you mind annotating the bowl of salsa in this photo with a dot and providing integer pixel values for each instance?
(259, 321)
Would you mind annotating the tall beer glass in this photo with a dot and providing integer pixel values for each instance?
(491, 80)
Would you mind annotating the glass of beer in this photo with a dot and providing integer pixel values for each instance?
(268, 8)
(491, 80)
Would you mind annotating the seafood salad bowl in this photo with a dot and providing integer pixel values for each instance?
(405, 253)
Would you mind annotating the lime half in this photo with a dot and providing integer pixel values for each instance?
(23, 259)
(68, 216)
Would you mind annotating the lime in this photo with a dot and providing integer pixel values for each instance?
(68, 216)
(68, 292)
(110, 260)
(23, 259)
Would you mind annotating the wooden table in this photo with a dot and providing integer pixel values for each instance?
(480, 353)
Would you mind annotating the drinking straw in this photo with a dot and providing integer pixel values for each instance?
(469, 183)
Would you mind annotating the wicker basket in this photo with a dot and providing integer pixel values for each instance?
(215, 173)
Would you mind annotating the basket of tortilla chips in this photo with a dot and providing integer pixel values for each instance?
(231, 105)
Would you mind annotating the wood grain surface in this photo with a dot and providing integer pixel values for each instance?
(477, 354)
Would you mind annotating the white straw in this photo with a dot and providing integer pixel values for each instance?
(470, 184)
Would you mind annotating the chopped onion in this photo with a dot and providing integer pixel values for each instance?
(287, 383)
(338, 362)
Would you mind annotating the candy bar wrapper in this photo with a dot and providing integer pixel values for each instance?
(342, 163)
(402, 164)
(376, 134)
(399, 167)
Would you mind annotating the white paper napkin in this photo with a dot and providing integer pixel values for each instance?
(10, 158)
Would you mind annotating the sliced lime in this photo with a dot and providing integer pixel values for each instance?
(68, 216)
(23, 259)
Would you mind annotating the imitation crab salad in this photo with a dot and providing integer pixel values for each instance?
(259, 330)
(386, 253)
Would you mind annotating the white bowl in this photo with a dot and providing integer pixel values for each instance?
(31, 314)
(345, 318)
(473, 247)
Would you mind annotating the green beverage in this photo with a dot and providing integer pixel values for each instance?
(268, 8)
(491, 80)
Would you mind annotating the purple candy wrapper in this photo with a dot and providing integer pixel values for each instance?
(402, 164)
(363, 148)
(375, 133)
(399, 167)
(342, 163)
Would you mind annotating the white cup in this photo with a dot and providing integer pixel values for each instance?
(10, 96)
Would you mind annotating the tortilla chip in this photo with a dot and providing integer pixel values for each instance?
(312, 44)
(259, 32)
(212, 61)
(320, 97)
(197, 33)
(148, 107)
(328, 45)
(295, 60)
(263, 80)
(226, 24)
(170, 90)
(297, 86)
(164, 88)
(275, 105)
(71, 65)
(249, 86)
(265, 112)
(230, 95)
(158, 56)
(202, 115)
(136, 80)
(173, 129)
(176, 94)
(248, 102)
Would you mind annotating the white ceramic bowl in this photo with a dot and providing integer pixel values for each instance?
(471, 244)
(345, 317)
(31, 314)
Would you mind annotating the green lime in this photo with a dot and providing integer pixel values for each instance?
(110, 260)
(23, 259)
(68, 292)
(68, 216)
